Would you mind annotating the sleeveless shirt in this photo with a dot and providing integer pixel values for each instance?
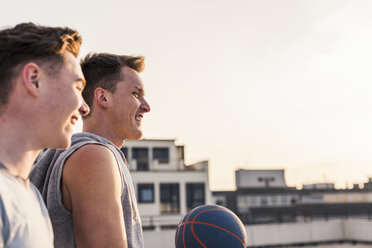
(47, 175)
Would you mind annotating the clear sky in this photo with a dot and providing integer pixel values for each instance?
(248, 84)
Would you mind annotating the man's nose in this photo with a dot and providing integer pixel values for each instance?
(145, 106)
(84, 109)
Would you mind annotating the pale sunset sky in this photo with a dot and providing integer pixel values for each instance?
(245, 84)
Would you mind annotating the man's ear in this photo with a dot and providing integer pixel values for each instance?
(31, 78)
(101, 97)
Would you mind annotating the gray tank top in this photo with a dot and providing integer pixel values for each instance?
(47, 174)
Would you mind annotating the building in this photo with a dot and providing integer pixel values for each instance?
(166, 188)
(262, 196)
(267, 198)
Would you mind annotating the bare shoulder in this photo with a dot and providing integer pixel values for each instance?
(91, 156)
(91, 166)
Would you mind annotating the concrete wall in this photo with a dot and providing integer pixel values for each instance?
(291, 233)
(288, 233)
(159, 239)
(358, 229)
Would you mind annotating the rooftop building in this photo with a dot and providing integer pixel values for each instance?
(262, 196)
(166, 187)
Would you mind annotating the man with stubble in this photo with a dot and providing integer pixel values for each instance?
(88, 188)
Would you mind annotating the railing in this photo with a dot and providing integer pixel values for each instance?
(306, 212)
(173, 165)
(160, 221)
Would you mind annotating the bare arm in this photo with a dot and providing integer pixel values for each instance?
(91, 189)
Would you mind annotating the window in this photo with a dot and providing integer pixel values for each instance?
(254, 200)
(242, 204)
(284, 200)
(221, 202)
(169, 198)
(161, 154)
(263, 201)
(145, 192)
(194, 195)
(125, 151)
(274, 200)
(142, 158)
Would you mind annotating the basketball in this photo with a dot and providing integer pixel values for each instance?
(211, 226)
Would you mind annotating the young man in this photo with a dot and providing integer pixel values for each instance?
(88, 188)
(40, 100)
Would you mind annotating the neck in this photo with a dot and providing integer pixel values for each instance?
(21, 136)
(16, 153)
(102, 129)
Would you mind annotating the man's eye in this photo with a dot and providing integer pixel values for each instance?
(135, 94)
(79, 86)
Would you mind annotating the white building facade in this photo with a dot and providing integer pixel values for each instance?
(166, 188)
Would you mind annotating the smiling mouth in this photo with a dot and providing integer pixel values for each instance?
(139, 119)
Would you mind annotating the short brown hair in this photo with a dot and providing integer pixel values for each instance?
(105, 70)
(28, 42)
